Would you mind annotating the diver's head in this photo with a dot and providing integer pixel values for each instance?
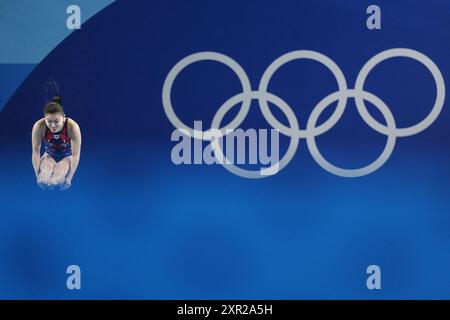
(54, 114)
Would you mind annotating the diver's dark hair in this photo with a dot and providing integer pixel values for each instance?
(54, 106)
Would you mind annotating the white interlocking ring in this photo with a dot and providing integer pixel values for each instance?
(440, 91)
(311, 139)
(311, 131)
(295, 55)
(254, 174)
(214, 56)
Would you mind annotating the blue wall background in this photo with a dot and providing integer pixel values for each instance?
(141, 227)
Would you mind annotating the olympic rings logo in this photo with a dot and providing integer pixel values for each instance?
(311, 131)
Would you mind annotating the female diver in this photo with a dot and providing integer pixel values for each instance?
(61, 138)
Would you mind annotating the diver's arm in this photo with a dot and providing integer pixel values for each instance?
(75, 136)
(36, 140)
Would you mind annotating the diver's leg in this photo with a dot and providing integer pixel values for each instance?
(45, 170)
(60, 171)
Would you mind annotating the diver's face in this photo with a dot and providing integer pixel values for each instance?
(54, 122)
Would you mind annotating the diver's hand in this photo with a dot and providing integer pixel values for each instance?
(67, 184)
(42, 183)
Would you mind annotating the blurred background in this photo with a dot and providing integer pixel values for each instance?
(141, 227)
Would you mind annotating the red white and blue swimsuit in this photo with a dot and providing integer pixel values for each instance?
(57, 145)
